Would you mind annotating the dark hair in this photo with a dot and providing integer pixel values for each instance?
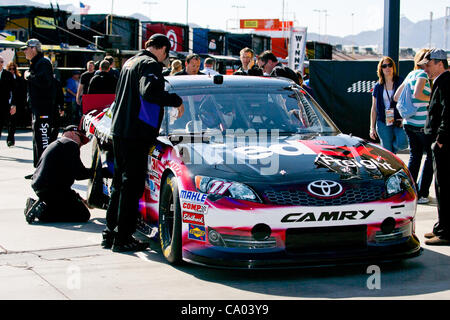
(209, 61)
(268, 55)
(192, 56)
(444, 62)
(104, 65)
(110, 59)
(16, 70)
(158, 41)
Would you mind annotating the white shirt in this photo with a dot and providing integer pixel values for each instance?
(209, 71)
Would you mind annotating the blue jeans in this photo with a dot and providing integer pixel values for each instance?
(419, 143)
(392, 138)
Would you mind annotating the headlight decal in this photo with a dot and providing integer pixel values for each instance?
(225, 188)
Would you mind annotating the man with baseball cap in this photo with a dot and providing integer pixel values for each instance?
(437, 126)
(41, 97)
(136, 119)
(57, 170)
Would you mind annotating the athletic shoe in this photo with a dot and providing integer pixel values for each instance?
(10, 143)
(131, 245)
(437, 241)
(28, 204)
(108, 239)
(35, 211)
(29, 177)
(429, 235)
(423, 200)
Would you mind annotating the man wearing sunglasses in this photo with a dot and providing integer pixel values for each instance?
(273, 68)
(137, 114)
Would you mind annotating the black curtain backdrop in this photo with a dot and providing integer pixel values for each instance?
(344, 91)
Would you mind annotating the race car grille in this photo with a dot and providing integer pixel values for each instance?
(353, 195)
(231, 241)
(306, 240)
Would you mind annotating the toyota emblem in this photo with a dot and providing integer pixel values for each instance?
(325, 188)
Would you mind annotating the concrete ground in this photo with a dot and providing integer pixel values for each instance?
(64, 261)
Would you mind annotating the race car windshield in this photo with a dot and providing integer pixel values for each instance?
(241, 109)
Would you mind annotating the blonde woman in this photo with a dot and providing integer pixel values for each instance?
(385, 120)
(419, 142)
(176, 67)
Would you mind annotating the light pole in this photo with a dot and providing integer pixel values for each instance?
(319, 12)
(150, 3)
(237, 14)
(447, 14)
(187, 12)
(353, 26)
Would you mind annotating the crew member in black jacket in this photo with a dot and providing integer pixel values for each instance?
(7, 101)
(248, 67)
(41, 97)
(437, 127)
(271, 67)
(58, 168)
(103, 82)
(136, 119)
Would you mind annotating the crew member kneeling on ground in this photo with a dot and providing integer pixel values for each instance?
(57, 170)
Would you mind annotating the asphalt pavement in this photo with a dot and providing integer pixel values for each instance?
(64, 261)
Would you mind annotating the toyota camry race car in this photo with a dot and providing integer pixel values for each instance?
(255, 174)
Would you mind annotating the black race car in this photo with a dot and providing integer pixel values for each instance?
(255, 174)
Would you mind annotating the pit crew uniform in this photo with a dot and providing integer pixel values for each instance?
(41, 96)
(136, 118)
(58, 168)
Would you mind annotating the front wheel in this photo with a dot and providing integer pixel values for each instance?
(170, 221)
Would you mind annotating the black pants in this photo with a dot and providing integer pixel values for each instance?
(442, 184)
(9, 121)
(130, 170)
(43, 134)
(63, 206)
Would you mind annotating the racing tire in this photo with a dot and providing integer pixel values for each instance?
(95, 196)
(169, 222)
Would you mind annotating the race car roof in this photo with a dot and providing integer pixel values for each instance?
(201, 81)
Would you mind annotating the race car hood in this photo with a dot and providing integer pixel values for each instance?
(293, 158)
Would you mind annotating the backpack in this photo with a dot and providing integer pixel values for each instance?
(405, 105)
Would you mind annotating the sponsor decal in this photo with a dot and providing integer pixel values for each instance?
(195, 207)
(44, 128)
(325, 188)
(290, 148)
(197, 232)
(219, 187)
(154, 167)
(330, 161)
(327, 216)
(346, 152)
(193, 196)
(194, 218)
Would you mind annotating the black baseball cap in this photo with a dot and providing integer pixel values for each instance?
(74, 128)
(159, 40)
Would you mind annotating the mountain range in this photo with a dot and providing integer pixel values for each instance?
(412, 34)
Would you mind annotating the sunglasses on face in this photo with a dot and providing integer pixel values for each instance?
(386, 65)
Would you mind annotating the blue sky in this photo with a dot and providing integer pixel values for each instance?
(218, 14)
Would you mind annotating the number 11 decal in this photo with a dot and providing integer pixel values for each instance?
(219, 187)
